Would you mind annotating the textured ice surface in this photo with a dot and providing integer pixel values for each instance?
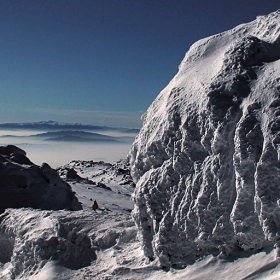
(206, 161)
(24, 184)
(31, 240)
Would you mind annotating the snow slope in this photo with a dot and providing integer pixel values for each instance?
(109, 184)
(57, 244)
(206, 161)
(63, 245)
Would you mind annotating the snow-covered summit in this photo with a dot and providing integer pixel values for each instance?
(206, 160)
(24, 184)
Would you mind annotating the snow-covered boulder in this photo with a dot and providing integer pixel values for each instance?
(36, 244)
(207, 159)
(24, 184)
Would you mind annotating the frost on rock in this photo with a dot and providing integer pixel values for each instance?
(24, 184)
(206, 161)
(30, 240)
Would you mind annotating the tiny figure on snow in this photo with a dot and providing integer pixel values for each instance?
(95, 205)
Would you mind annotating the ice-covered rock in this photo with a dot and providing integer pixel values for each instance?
(206, 161)
(24, 184)
(33, 240)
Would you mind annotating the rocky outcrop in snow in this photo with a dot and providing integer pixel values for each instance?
(24, 184)
(109, 184)
(206, 160)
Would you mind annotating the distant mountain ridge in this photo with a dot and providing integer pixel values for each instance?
(53, 125)
(73, 135)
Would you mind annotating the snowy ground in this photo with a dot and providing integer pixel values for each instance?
(102, 244)
(109, 184)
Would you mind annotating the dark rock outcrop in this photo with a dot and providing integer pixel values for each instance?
(24, 184)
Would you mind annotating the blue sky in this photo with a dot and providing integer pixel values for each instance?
(101, 61)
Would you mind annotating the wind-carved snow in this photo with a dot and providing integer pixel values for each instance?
(32, 241)
(206, 160)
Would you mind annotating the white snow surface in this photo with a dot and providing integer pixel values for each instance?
(63, 245)
(206, 161)
(109, 184)
(103, 244)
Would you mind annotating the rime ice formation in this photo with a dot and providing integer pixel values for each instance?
(32, 241)
(24, 184)
(206, 161)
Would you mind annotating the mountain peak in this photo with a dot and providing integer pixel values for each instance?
(206, 159)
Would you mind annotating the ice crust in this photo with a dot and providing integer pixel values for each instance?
(31, 240)
(24, 184)
(206, 161)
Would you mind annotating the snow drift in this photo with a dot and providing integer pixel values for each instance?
(206, 161)
(24, 184)
(32, 241)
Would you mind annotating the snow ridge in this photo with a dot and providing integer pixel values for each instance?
(206, 161)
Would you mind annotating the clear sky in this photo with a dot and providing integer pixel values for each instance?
(101, 61)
